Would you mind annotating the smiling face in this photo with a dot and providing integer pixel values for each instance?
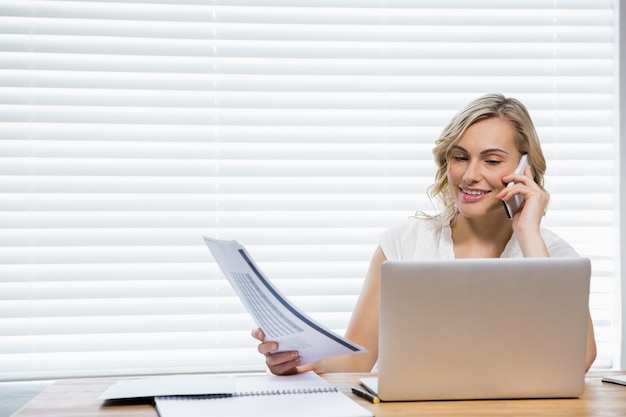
(485, 153)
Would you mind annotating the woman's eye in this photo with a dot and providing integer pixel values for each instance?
(493, 162)
(459, 158)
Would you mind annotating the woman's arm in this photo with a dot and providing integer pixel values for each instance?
(591, 345)
(363, 325)
(526, 226)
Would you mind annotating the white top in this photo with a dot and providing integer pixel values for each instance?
(429, 238)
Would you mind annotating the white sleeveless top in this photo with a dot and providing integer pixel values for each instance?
(429, 238)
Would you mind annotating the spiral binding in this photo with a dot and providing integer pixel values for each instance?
(287, 392)
(299, 391)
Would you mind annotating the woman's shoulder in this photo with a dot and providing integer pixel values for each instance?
(412, 236)
(415, 224)
(557, 246)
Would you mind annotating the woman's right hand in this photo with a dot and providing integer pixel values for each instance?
(283, 363)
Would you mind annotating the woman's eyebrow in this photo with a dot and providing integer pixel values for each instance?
(458, 148)
(483, 152)
(493, 150)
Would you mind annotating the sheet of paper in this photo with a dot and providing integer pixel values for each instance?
(371, 384)
(268, 383)
(280, 320)
(153, 386)
(615, 379)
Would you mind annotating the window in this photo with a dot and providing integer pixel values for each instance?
(129, 129)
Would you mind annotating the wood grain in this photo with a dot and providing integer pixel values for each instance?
(79, 398)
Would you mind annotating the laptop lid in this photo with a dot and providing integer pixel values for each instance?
(483, 328)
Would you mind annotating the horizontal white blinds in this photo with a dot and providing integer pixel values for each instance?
(128, 129)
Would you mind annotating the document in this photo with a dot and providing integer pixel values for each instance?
(152, 386)
(272, 312)
(302, 395)
(615, 379)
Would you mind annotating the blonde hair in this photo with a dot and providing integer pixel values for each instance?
(485, 107)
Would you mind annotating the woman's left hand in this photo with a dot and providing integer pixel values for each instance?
(535, 199)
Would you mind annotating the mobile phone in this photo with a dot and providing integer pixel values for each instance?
(512, 206)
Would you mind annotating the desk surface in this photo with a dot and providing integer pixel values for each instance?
(79, 398)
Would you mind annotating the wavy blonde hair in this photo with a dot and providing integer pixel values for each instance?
(485, 107)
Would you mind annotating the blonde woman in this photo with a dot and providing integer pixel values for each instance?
(476, 154)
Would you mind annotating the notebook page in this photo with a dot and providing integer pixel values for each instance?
(301, 395)
(329, 404)
(267, 383)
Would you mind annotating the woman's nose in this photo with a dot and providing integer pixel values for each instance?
(471, 174)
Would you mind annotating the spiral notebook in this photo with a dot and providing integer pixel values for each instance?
(301, 395)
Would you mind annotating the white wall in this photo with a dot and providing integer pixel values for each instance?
(622, 175)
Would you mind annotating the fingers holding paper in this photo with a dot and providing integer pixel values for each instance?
(279, 363)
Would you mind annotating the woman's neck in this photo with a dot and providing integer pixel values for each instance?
(474, 238)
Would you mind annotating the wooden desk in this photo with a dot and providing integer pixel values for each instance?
(79, 398)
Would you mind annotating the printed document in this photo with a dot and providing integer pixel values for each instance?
(272, 312)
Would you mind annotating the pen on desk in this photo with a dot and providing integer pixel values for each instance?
(364, 394)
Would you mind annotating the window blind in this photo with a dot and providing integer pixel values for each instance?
(301, 128)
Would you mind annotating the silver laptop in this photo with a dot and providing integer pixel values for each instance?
(483, 329)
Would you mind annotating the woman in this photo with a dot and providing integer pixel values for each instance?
(476, 154)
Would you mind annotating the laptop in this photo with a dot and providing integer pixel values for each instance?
(482, 329)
